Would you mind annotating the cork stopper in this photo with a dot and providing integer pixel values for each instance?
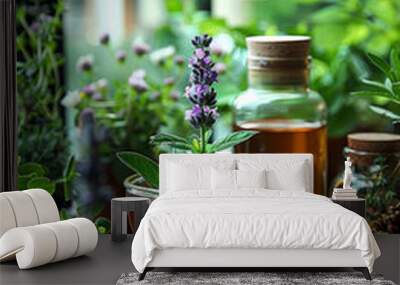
(278, 59)
(279, 47)
(374, 142)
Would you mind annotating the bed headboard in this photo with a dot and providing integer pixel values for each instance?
(199, 158)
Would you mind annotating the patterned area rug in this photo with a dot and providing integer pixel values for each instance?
(243, 278)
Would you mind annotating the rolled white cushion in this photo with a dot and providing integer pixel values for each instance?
(87, 235)
(23, 208)
(33, 246)
(40, 244)
(66, 238)
(7, 218)
(46, 208)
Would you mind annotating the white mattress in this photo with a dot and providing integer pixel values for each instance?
(253, 219)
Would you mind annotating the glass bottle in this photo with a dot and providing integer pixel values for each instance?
(289, 117)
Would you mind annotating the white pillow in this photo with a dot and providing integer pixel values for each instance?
(187, 177)
(292, 175)
(223, 179)
(193, 176)
(251, 178)
(295, 181)
(230, 180)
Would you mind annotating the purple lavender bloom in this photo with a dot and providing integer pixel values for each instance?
(200, 91)
(104, 38)
(137, 82)
(85, 63)
(89, 89)
(174, 95)
(217, 50)
(200, 53)
(140, 49)
(220, 68)
(97, 96)
(120, 56)
(194, 116)
(169, 81)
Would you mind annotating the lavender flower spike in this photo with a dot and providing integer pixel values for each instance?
(200, 91)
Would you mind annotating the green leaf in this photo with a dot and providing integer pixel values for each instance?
(23, 180)
(171, 140)
(372, 94)
(196, 148)
(375, 84)
(103, 225)
(31, 167)
(396, 89)
(385, 112)
(142, 165)
(43, 183)
(395, 63)
(64, 215)
(232, 140)
(163, 137)
(380, 63)
(208, 135)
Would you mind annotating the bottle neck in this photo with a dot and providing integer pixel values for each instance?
(278, 79)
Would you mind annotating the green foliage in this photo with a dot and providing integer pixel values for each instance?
(33, 175)
(342, 32)
(41, 133)
(379, 185)
(42, 143)
(142, 165)
(231, 140)
(194, 143)
(130, 115)
(389, 89)
(103, 225)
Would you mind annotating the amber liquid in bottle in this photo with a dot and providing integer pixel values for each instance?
(281, 136)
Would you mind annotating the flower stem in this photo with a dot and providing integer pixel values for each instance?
(203, 139)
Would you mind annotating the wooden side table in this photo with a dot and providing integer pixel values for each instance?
(355, 205)
(119, 212)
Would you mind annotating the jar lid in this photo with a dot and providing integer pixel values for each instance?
(283, 47)
(374, 142)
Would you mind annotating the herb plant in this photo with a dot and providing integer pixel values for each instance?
(389, 89)
(203, 113)
(202, 116)
(44, 159)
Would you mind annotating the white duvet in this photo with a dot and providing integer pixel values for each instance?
(250, 219)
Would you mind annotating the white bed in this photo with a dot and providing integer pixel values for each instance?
(247, 227)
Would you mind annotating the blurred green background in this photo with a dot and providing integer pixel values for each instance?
(73, 142)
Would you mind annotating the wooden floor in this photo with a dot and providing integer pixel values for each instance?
(103, 266)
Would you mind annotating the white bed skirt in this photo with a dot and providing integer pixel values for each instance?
(193, 257)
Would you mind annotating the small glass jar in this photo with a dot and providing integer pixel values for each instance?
(289, 117)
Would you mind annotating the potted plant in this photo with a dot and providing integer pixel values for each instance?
(202, 116)
(384, 181)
